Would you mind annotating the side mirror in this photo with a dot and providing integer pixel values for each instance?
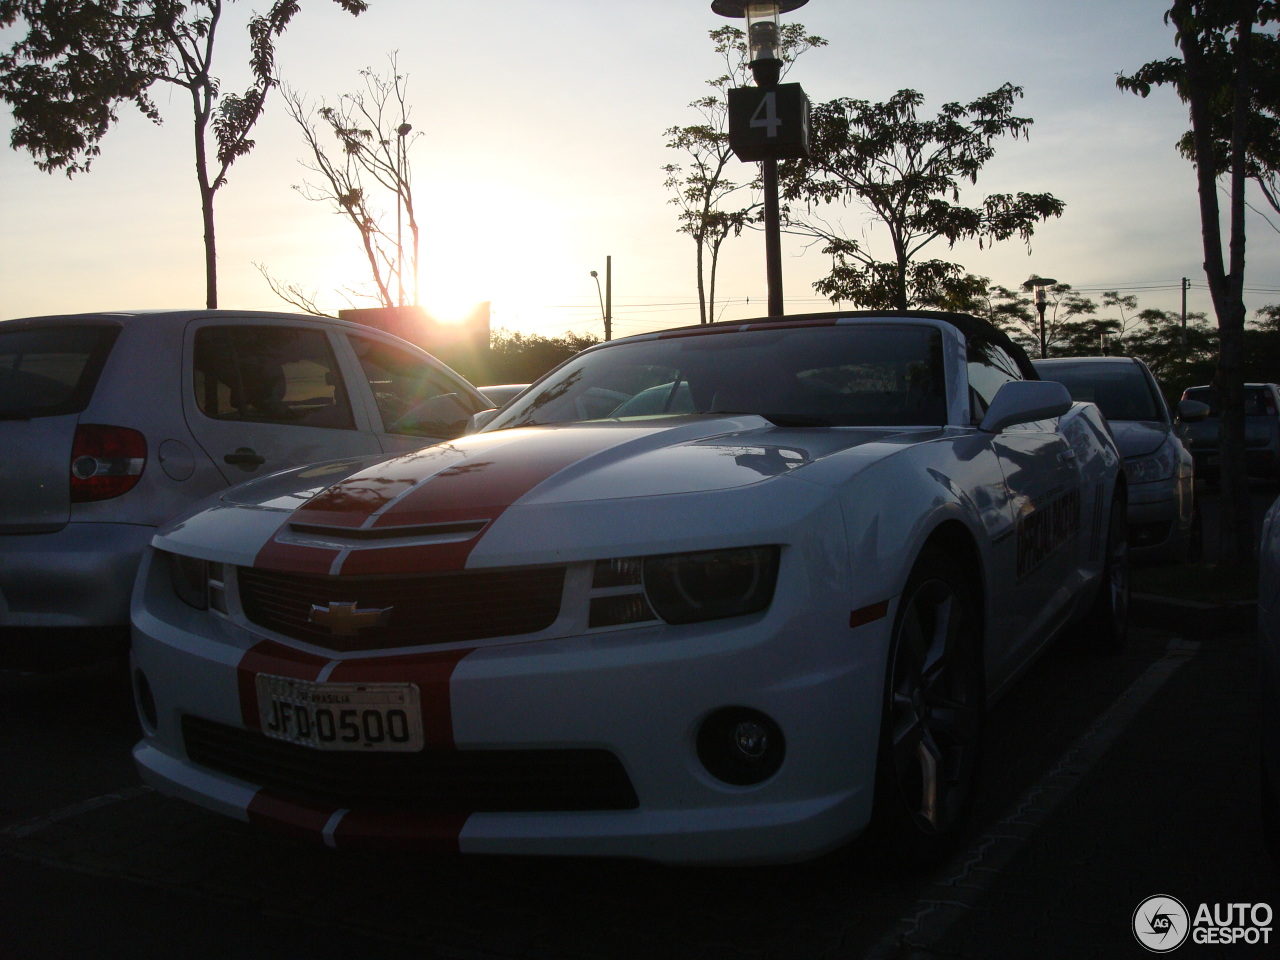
(479, 420)
(1021, 401)
(1189, 411)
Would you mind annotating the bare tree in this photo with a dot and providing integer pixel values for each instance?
(367, 180)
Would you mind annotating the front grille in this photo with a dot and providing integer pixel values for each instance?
(441, 608)
(466, 780)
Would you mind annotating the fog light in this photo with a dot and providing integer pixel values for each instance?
(740, 746)
(752, 739)
(145, 700)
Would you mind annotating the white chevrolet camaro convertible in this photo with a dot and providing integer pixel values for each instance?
(724, 594)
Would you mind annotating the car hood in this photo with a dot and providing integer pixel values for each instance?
(529, 493)
(555, 464)
(1138, 438)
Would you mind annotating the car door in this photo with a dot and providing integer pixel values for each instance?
(261, 396)
(1045, 503)
(416, 401)
(1037, 554)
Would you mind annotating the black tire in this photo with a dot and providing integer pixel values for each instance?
(1106, 624)
(932, 727)
(1195, 539)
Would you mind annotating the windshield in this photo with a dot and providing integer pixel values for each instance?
(1121, 390)
(830, 375)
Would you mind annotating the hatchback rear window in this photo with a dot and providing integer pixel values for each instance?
(1258, 401)
(50, 371)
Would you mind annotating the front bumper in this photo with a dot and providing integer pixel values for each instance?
(1160, 517)
(640, 694)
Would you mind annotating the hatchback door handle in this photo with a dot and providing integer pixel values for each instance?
(244, 457)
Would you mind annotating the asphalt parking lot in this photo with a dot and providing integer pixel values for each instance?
(1109, 779)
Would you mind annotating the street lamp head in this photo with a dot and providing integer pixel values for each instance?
(1034, 281)
(764, 38)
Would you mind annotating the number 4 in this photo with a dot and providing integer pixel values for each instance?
(769, 107)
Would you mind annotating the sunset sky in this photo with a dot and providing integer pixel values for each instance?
(541, 153)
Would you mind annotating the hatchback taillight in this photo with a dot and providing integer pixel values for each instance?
(105, 461)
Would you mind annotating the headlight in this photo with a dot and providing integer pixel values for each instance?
(1156, 466)
(198, 583)
(190, 578)
(683, 587)
(692, 587)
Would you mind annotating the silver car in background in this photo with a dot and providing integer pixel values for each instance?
(112, 423)
(1162, 518)
(1261, 431)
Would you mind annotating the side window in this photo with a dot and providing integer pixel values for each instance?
(990, 368)
(413, 397)
(270, 375)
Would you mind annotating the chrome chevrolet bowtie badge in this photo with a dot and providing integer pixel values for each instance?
(347, 619)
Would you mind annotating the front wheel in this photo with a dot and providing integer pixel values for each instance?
(1106, 624)
(931, 732)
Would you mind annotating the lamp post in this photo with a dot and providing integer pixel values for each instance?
(770, 123)
(606, 312)
(402, 131)
(1039, 284)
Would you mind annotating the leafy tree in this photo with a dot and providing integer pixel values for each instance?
(82, 59)
(960, 294)
(1262, 346)
(701, 186)
(1231, 105)
(366, 174)
(516, 357)
(1097, 336)
(907, 172)
(1156, 339)
(1015, 312)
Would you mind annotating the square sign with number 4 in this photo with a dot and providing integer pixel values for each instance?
(769, 123)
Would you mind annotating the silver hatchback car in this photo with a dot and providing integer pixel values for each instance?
(112, 423)
(1162, 517)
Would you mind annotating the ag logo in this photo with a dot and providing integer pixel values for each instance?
(1161, 924)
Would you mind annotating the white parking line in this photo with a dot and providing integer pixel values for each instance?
(18, 831)
(964, 881)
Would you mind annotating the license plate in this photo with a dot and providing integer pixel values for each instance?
(341, 716)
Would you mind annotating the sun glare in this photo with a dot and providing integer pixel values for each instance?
(452, 309)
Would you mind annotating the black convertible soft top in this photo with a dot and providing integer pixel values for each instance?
(973, 328)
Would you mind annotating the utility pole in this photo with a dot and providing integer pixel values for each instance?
(1185, 284)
